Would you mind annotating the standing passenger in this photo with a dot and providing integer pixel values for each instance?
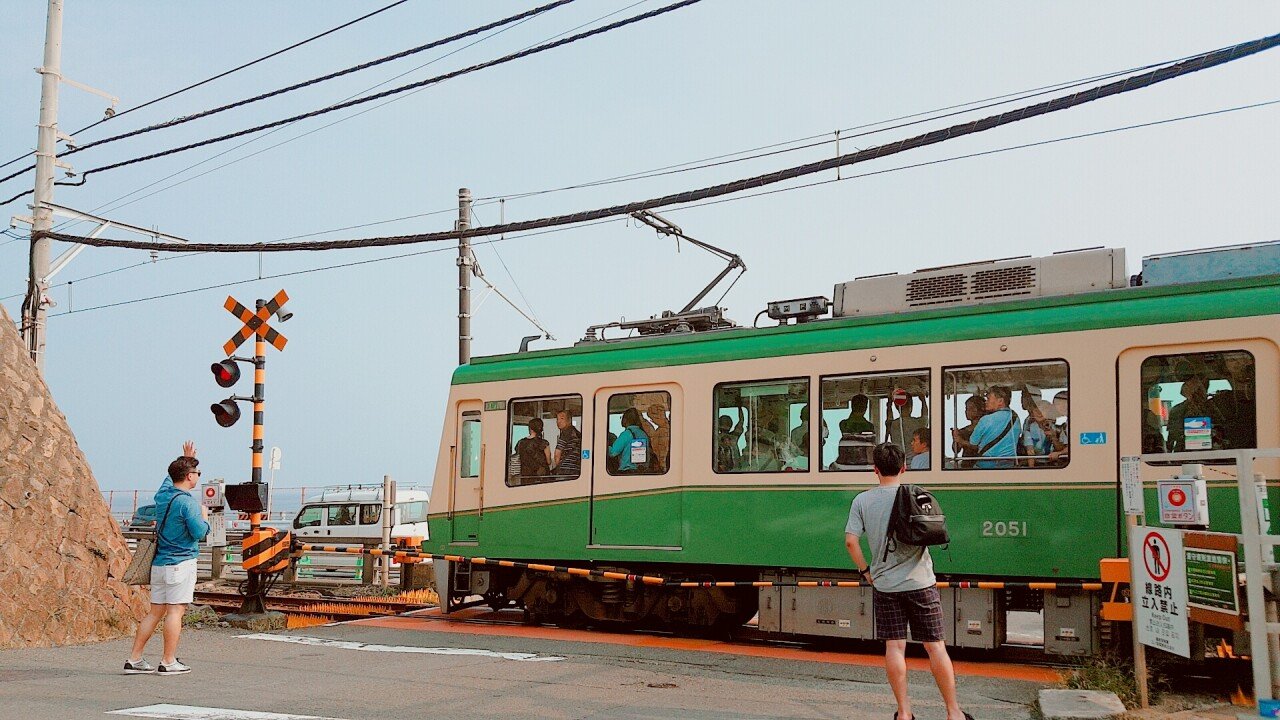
(974, 409)
(534, 452)
(181, 523)
(904, 589)
(660, 436)
(728, 454)
(632, 446)
(568, 460)
(996, 434)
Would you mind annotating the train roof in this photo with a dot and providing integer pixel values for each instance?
(1125, 307)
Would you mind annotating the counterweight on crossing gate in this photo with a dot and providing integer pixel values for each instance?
(264, 551)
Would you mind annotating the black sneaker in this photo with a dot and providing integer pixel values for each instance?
(142, 667)
(177, 668)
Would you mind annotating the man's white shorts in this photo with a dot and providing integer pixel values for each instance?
(173, 584)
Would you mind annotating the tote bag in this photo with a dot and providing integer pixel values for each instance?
(139, 570)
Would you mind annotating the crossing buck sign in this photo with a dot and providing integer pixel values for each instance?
(255, 323)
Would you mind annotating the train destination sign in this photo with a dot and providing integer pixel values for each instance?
(1159, 589)
(1212, 591)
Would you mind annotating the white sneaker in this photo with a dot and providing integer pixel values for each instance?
(138, 668)
(177, 668)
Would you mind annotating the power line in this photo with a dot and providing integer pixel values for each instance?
(1200, 62)
(394, 91)
(208, 80)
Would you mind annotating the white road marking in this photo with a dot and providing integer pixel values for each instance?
(189, 712)
(367, 647)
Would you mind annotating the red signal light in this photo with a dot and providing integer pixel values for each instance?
(226, 413)
(226, 373)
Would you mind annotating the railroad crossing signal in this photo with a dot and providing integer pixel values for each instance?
(256, 322)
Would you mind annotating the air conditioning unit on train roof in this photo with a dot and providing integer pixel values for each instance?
(991, 281)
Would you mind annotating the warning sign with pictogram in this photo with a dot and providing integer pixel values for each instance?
(1159, 589)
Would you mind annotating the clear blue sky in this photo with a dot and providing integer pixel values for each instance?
(360, 390)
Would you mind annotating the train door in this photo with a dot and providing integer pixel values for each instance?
(636, 498)
(1199, 396)
(466, 487)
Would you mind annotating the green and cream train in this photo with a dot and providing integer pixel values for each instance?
(699, 450)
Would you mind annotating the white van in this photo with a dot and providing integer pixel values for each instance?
(352, 514)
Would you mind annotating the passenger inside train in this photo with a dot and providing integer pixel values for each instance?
(1199, 401)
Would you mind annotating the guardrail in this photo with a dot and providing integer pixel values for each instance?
(335, 568)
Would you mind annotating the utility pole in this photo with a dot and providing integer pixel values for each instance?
(35, 311)
(465, 263)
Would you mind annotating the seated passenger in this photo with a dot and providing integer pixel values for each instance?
(974, 409)
(632, 446)
(920, 442)
(534, 452)
(728, 455)
(1194, 407)
(903, 424)
(996, 434)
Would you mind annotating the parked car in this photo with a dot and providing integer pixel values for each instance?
(144, 519)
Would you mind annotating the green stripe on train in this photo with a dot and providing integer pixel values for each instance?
(1109, 309)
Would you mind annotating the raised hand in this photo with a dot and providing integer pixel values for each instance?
(189, 449)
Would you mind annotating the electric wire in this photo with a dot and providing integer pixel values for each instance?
(718, 201)
(1162, 74)
(208, 80)
(387, 93)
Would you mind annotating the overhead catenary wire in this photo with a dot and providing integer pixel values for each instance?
(393, 91)
(737, 198)
(307, 83)
(1162, 74)
(208, 80)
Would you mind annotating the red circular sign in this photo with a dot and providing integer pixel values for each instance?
(1155, 556)
(1177, 497)
(899, 397)
(209, 492)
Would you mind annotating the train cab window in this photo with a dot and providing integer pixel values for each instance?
(412, 512)
(1006, 417)
(1199, 401)
(370, 514)
(544, 440)
(639, 439)
(762, 426)
(859, 411)
(309, 517)
(470, 450)
(342, 515)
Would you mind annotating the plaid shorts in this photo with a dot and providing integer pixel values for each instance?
(920, 609)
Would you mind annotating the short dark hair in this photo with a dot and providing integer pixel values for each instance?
(1002, 391)
(859, 401)
(535, 426)
(888, 459)
(921, 434)
(178, 469)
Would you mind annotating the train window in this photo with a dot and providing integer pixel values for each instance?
(859, 411)
(370, 514)
(342, 515)
(470, 451)
(1199, 401)
(762, 426)
(544, 440)
(639, 440)
(1004, 417)
(309, 517)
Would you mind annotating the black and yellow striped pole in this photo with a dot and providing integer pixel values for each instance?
(253, 602)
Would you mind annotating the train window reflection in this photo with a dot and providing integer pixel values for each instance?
(545, 440)
(1199, 401)
(1007, 417)
(859, 411)
(762, 426)
(639, 439)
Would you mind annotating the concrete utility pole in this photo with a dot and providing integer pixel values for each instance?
(35, 312)
(465, 263)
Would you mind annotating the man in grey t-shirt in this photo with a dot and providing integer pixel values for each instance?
(904, 589)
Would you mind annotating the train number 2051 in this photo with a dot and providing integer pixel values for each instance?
(1004, 528)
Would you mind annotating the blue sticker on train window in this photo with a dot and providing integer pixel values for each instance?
(586, 454)
(1093, 438)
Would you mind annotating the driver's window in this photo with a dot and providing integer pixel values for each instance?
(309, 517)
(1199, 401)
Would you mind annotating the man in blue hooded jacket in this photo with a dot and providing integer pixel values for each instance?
(181, 523)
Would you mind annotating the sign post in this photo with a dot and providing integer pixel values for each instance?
(1159, 589)
(1134, 509)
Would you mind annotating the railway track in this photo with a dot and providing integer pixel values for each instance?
(325, 608)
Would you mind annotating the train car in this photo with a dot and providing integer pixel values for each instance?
(699, 450)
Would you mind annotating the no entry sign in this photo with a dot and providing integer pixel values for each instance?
(900, 397)
(1159, 589)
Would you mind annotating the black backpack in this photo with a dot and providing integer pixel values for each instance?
(916, 519)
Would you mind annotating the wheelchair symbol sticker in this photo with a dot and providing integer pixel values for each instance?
(1093, 438)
